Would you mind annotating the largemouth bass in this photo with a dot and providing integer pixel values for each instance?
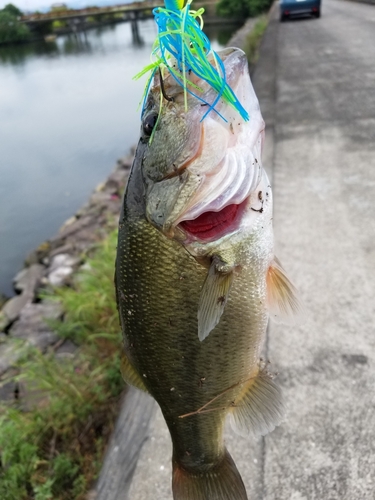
(196, 277)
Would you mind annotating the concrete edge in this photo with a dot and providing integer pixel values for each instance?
(124, 448)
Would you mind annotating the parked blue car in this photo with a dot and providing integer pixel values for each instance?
(289, 8)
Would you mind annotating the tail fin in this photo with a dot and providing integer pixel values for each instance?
(221, 482)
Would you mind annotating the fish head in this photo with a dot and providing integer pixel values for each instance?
(202, 166)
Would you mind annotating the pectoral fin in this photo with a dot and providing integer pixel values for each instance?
(214, 296)
(283, 298)
(130, 375)
(259, 408)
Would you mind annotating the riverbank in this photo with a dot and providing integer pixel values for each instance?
(53, 264)
(60, 379)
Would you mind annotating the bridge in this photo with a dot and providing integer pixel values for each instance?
(132, 10)
(128, 11)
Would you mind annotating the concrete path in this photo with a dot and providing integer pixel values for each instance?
(324, 188)
(316, 84)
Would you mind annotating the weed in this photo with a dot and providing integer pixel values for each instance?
(254, 38)
(52, 442)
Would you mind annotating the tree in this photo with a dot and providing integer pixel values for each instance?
(232, 8)
(242, 8)
(12, 9)
(11, 30)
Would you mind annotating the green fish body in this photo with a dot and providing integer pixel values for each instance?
(193, 286)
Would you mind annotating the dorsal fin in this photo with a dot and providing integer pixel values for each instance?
(283, 299)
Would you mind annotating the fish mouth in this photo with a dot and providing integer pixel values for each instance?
(204, 196)
(210, 226)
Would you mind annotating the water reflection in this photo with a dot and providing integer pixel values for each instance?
(137, 39)
(72, 43)
(220, 34)
(17, 54)
(68, 110)
(94, 39)
(76, 44)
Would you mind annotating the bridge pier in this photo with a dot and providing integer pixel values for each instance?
(136, 37)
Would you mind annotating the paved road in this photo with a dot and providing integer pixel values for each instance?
(324, 186)
(316, 83)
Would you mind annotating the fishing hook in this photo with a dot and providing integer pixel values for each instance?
(167, 98)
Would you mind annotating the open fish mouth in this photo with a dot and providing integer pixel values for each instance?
(224, 192)
(210, 226)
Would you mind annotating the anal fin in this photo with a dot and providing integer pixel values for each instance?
(259, 408)
(214, 296)
(130, 375)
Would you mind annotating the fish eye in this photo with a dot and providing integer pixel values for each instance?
(149, 123)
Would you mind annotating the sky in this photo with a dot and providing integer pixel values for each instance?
(43, 5)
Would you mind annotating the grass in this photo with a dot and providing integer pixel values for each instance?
(52, 442)
(254, 38)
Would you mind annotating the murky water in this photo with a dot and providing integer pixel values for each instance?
(68, 111)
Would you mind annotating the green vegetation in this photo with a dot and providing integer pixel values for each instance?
(11, 30)
(254, 38)
(12, 9)
(242, 8)
(58, 24)
(59, 7)
(52, 442)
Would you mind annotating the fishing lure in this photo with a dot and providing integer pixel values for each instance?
(181, 47)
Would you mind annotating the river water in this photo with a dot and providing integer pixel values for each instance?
(68, 111)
